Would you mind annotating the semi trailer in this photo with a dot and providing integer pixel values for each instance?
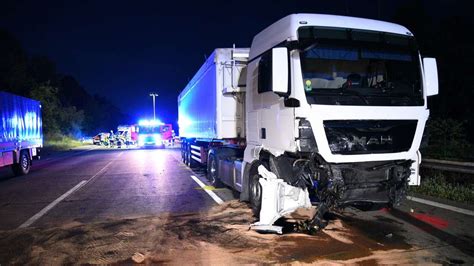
(321, 110)
(21, 135)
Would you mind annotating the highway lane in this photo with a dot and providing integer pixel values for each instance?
(133, 183)
(21, 197)
(138, 183)
(124, 184)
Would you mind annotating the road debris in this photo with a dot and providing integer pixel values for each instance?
(138, 257)
(219, 236)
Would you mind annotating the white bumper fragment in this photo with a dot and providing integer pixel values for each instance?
(278, 199)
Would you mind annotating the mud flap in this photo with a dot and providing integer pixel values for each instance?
(278, 199)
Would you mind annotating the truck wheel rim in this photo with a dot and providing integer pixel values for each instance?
(213, 171)
(256, 189)
(189, 157)
(24, 162)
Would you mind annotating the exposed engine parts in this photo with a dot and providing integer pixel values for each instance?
(328, 186)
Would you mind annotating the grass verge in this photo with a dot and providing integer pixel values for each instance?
(437, 186)
(61, 143)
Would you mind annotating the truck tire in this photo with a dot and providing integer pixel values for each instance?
(190, 160)
(24, 164)
(213, 171)
(255, 194)
(183, 153)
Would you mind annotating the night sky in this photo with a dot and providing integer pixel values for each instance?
(124, 50)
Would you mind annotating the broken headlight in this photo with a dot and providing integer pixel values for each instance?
(306, 137)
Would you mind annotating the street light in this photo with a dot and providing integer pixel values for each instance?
(153, 95)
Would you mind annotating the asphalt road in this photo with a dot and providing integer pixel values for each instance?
(108, 184)
(120, 184)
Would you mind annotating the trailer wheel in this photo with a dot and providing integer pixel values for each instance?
(213, 171)
(255, 194)
(24, 164)
(190, 161)
(183, 153)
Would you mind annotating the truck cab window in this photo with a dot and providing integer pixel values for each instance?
(360, 68)
(265, 73)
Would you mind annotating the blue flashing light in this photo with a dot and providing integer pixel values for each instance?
(145, 122)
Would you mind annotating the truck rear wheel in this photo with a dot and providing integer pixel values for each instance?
(183, 153)
(213, 171)
(255, 194)
(190, 161)
(24, 164)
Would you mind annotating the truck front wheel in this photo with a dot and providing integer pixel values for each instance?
(23, 165)
(255, 194)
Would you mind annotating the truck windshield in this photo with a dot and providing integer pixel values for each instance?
(351, 67)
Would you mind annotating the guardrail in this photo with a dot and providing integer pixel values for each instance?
(451, 166)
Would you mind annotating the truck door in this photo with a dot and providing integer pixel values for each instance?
(270, 123)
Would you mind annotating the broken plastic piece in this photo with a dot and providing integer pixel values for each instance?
(268, 228)
(278, 199)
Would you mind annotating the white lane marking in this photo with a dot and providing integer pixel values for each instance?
(51, 205)
(100, 171)
(209, 192)
(46, 209)
(441, 205)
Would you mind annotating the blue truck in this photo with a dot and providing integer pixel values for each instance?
(21, 132)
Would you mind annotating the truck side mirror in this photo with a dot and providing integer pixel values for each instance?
(280, 71)
(291, 102)
(431, 76)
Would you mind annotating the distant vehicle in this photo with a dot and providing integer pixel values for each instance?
(321, 110)
(21, 132)
(129, 133)
(149, 134)
(167, 134)
(100, 138)
(96, 139)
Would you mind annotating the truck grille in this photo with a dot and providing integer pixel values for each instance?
(369, 136)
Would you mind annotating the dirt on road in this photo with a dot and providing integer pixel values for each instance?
(220, 236)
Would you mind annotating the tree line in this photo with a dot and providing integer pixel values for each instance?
(67, 108)
(447, 37)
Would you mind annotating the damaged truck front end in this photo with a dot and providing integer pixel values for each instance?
(349, 180)
(310, 181)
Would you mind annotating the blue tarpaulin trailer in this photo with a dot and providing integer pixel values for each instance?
(21, 134)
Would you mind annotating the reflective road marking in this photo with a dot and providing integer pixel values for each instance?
(51, 205)
(46, 209)
(441, 205)
(209, 192)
